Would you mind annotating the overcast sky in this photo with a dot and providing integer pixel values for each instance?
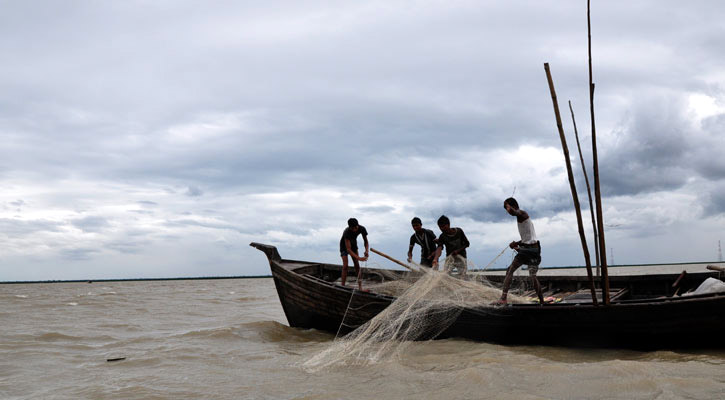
(160, 138)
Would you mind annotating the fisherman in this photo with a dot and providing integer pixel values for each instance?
(426, 239)
(528, 250)
(455, 242)
(348, 246)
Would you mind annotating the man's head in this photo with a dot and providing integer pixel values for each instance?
(444, 224)
(353, 224)
(417, 224)
(511, 205)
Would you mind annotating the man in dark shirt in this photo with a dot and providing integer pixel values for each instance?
(348, 246)
(455, 242)
(426, 239)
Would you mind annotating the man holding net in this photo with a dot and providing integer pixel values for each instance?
(348, 246)
(426, 239)
(455, 242)
(528, 250)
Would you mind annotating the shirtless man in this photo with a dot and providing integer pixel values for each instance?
(528, 250)
(348, 246)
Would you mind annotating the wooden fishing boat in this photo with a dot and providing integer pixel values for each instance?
(646, 311)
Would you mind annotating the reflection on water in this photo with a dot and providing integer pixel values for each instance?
(229, 339)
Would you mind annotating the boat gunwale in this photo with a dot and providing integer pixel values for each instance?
(293, 265)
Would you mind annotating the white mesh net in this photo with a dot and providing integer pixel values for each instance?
(427, 303)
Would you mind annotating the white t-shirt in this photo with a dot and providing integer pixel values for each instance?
(527, 232)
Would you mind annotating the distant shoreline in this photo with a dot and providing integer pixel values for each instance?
(197, 278)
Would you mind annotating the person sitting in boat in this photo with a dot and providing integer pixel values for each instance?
(455, 242)
(426, 239)
(528, 250)
(348, 246)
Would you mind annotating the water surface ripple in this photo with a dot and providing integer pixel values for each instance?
(228, 339)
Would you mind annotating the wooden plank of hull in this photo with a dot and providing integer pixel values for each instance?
(673, 324)
(309, 304)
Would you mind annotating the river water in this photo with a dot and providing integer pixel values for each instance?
(228, 339)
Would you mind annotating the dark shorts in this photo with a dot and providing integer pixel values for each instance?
(343, 252)
(426, 262)
(530, 254)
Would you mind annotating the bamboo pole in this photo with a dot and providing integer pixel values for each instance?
(572, 185)
(589, 189)
(391, 259)
(597, 190)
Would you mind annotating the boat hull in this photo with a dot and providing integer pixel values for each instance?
(310, 300)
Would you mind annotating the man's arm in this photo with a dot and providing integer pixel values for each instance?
(437, 252)
(436, 255)
(410, 248)
(349, 249)
(367, 247)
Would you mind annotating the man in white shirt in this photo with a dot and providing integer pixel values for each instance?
(528, 250)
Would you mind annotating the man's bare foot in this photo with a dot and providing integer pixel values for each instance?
(499, 302)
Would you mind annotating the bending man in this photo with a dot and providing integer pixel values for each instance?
(455, 242)
(348, 246)
(427, 241)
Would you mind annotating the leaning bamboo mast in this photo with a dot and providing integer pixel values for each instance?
(597, 190)
(589, 189)
(571, 182)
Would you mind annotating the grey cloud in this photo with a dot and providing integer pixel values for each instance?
(78, 254)
(193, 191)
(93, 224)
(708, 158)
(652, 149)
(26, 227)
(143, 212)
(127, 246)
(249, 97)
(210, 225)
(714, 200)
(375, 209)
(491, 210)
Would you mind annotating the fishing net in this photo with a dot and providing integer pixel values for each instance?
(428, 302)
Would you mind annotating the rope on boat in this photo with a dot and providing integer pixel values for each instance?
(348, 304)
(345, 315)
(497, 257)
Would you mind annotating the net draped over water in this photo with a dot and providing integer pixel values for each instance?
(428, 302)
